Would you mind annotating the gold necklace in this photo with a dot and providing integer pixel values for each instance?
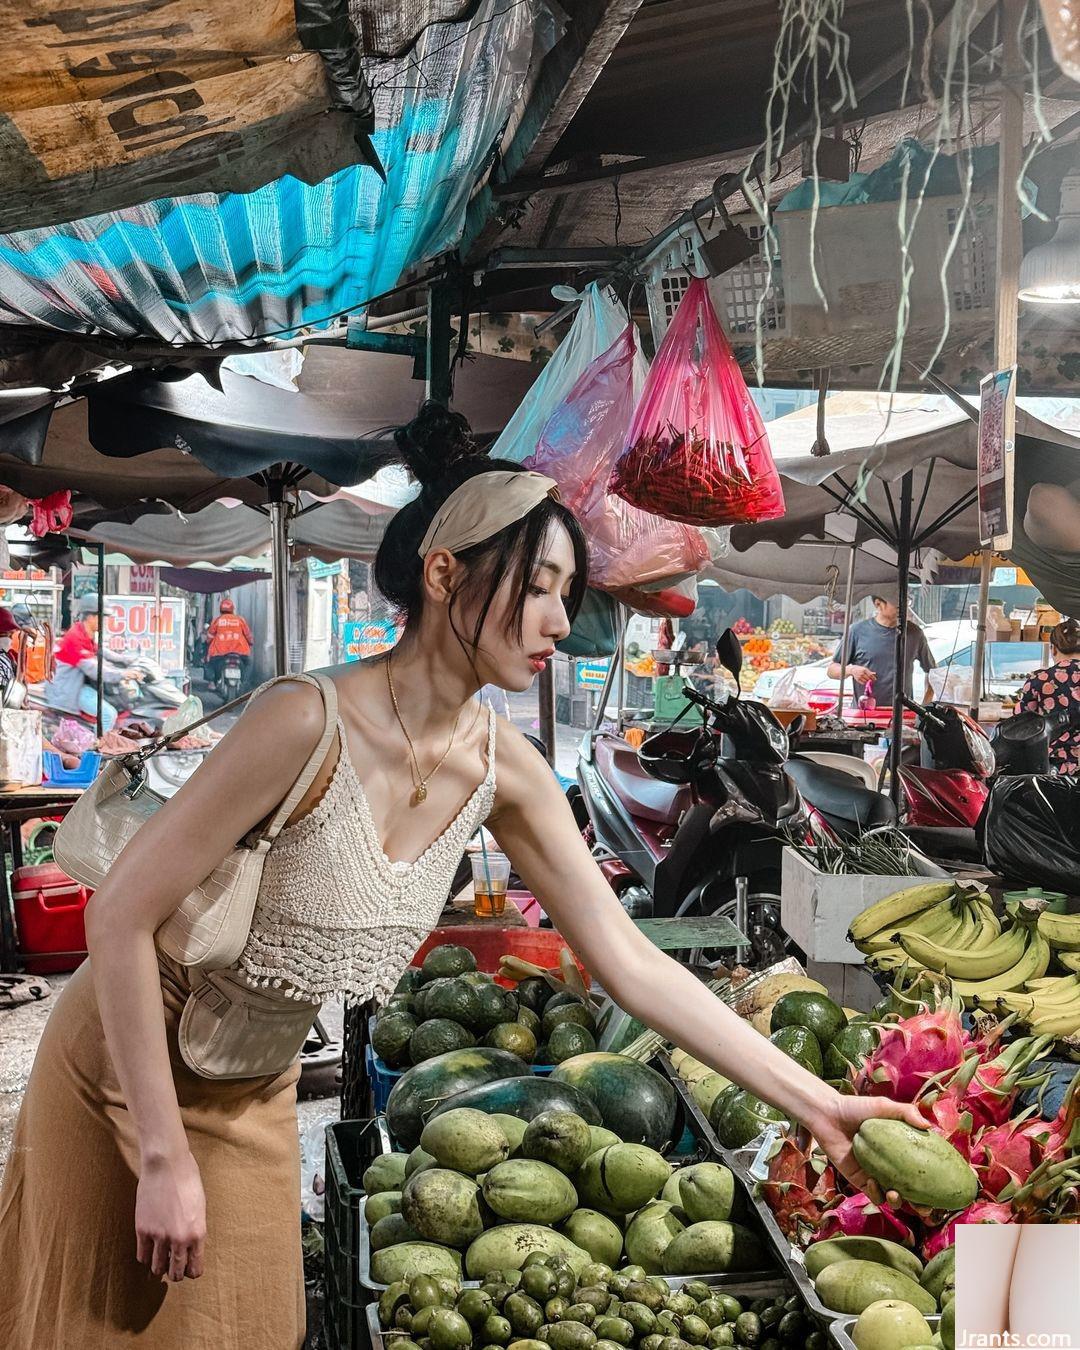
(420, 782)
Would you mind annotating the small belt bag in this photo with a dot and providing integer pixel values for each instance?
(227, 1029)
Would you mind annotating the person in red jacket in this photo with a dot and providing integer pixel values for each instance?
(229, 635)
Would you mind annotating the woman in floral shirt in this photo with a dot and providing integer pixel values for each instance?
(1057, 690)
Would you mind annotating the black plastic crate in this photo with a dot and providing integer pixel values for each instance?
(351, 1146)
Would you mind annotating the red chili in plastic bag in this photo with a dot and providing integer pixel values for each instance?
(697, 450)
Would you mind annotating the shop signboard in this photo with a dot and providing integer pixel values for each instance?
(591, 674)
(361, 640)
(141, 579)
(142, 626)
(997, 422)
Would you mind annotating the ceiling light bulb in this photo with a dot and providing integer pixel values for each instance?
(1050, 273)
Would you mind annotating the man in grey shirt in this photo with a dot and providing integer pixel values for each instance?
(871, 653)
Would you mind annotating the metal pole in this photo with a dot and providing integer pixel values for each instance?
(980, 633)
(900, 675)
(620, 672)
(547, 711)
(849, 596)
(101, 640)
(279, 550)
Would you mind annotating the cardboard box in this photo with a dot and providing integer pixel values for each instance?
(816, 908)
(850, 986)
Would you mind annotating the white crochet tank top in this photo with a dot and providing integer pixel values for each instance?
(334, 915)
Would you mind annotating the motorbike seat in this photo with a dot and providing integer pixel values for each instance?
(643, 795)
(946, 841)
(836, 793)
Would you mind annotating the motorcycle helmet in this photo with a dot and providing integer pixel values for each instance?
(227, 607)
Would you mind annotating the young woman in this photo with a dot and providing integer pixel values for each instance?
(144, 1206)
(1056, 689)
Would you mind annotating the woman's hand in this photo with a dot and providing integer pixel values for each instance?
(170, 1218)
(839, 1122)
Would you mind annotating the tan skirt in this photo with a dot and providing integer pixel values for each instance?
(69, 1279)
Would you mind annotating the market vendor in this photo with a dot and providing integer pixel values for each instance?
(160, 1174)
(871, 653)
(73, 688)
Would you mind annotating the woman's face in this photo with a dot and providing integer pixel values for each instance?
(503, 660)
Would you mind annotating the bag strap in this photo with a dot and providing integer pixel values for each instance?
(316, 760)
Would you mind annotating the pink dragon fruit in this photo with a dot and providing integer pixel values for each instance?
(947, 1114)
(1009, 1153)
(987, 1089)
(858, 1216)
(982, 1211)
(913, 1051)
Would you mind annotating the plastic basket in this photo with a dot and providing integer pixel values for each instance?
(83, 776)
(351, 1146)
(541, 946)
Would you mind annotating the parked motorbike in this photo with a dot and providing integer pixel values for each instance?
(945, 794)
(674, 824)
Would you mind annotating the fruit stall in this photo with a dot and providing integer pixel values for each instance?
(542, 1174)
(778, 647)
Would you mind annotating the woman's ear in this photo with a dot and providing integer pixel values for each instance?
(441, 571)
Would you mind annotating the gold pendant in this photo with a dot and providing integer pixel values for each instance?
(420, 795)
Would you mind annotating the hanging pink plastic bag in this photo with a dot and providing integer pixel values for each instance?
(578, 447)
(697, 450)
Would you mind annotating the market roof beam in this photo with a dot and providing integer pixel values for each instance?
(569, 71)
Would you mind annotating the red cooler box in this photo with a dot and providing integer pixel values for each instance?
(49, 918)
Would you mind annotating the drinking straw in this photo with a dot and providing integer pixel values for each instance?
(487, 866)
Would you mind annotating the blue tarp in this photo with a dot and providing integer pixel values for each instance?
(213, 268)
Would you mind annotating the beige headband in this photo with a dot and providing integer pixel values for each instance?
(482, 506)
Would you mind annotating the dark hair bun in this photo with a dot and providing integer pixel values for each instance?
(434, 441)
(1065, 637)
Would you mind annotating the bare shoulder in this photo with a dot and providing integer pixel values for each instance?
(523, 774)
(287, 718)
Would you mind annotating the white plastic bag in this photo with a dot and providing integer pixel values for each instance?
(951, 684)
(788, 695)
(596, 326)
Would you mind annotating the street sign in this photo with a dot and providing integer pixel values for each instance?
(591, 674)
(138, 626)
(360, 640)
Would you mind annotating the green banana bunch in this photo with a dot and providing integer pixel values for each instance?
(1062, 931)
(982, 952)
(893, 910)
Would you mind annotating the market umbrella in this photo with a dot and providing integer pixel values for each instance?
(905, 469)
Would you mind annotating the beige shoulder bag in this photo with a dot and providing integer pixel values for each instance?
(227, 1029)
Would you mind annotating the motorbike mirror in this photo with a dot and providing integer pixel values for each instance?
(795, 727)
(729, 653)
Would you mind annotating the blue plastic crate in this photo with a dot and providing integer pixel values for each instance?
(83, 776)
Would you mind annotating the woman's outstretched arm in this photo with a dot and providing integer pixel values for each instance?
(240, 783)
(534, 824)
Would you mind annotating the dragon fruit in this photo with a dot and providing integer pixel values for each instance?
(946, 1113)
(1009, 1153)
(801, 1186)
(982, 1211)
(984, 1088)
(913, 1051)
(858, 1216)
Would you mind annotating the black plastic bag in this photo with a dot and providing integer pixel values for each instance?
(1029, 830)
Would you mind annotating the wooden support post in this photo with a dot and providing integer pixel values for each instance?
(1009, 252)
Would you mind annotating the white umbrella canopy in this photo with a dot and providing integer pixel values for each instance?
(873, 442)
(223, 534)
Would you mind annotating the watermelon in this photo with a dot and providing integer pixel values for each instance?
(421, 1089)
(524, 1097)
(634, 1101)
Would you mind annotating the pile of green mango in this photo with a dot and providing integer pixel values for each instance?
(485, 1192)
(853, 1274)
(550, 1305)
